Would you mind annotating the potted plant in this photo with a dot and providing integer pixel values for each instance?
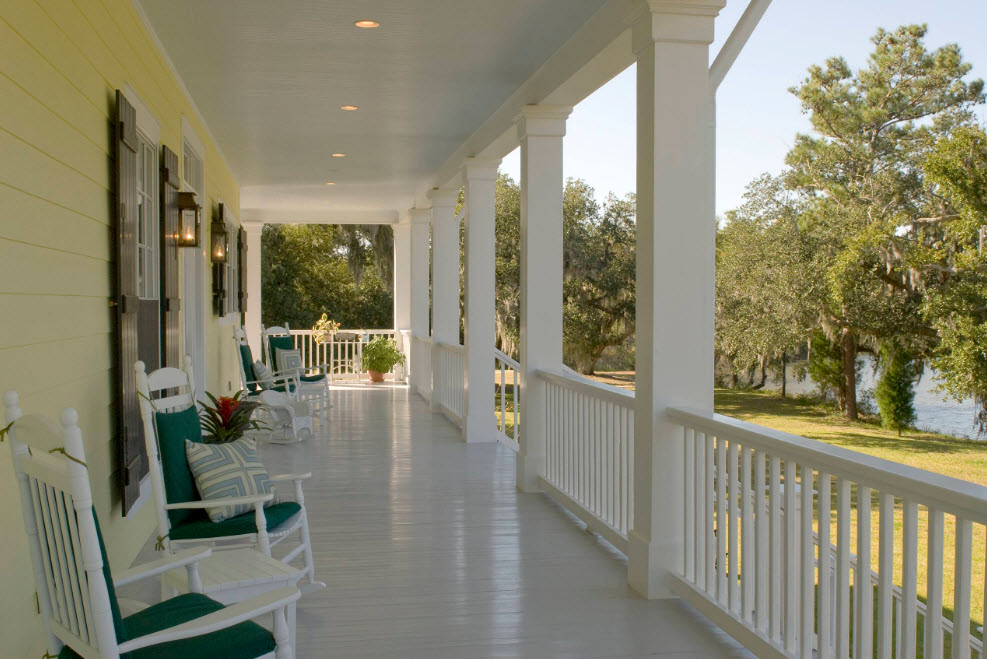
(228, 418)
(380, 356)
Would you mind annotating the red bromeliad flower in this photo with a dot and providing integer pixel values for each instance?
(226, 407)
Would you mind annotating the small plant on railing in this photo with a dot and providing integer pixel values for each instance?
(324, 329)
(228, 419)
(380, 356)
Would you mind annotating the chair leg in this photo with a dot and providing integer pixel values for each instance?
(282, 636)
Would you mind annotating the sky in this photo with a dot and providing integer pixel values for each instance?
(757, 118)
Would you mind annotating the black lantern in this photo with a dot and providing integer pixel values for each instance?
(189, 220)
(219, 244)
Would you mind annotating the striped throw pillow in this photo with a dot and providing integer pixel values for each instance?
(227, 470)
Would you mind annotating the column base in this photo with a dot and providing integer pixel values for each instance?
(478, 429)
(648, 566)
(529, 469)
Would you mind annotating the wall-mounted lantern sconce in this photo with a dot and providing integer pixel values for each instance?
(189, 220)
(219, 241)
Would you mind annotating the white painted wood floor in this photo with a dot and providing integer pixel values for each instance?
(428, 550)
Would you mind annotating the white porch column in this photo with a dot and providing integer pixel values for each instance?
(445, 275)
(252, 315)
(480, 177)
(402, 291)
(675, 266)
(419, 295)
(540, 130)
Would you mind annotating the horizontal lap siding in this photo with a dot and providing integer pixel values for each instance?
(60, 63)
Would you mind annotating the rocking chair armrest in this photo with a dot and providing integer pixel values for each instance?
(223, 619)
(249, 500)
(290, 477)
(154, 568)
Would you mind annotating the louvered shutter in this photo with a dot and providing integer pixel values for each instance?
(170, 302)
(241, 270)
(130, 438)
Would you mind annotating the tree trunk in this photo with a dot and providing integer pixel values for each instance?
(764, 374)
(784, 374)
(850, 373)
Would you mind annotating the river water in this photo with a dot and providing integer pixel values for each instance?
(934, 413)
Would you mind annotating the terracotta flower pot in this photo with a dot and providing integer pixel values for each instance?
(376, 376)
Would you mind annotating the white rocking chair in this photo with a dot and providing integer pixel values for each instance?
(251, 384)
(313, 382)
(288, 420)
(170, 417)
(76, 591)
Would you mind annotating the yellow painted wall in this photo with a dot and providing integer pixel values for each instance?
(60, 62)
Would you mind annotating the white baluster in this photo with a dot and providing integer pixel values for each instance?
(863, 587)
(909, 580)
(842, 644)
(690, 503)
(825, 613)
(762, 520)
(933, 601)
(791, 559)
(777, 551)
(885, 575)
(808, 568)
(961, 590)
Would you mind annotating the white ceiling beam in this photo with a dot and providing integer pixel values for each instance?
(735, 43)
(316, 216)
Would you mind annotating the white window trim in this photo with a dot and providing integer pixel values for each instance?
(191, 137)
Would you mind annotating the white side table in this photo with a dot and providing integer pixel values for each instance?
(234, 575)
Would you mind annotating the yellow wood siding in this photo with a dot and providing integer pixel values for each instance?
(60, 62)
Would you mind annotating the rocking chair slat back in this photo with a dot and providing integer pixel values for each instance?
(56, 502)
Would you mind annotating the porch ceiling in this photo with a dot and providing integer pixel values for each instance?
(270, 77)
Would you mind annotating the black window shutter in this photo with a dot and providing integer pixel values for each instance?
(170, 302)
(130, 437)
(241, 270)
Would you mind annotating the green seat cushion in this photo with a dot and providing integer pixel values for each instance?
(244, 641)
(318, 377)
(173, 429)
(248, 368)
(275, 343)
(284, 389)
(118, 625)
(199, 527)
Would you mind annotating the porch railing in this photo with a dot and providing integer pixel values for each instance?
(758, 505)
(589, 452)
(342, 353)
(449, 381)
(508, 398)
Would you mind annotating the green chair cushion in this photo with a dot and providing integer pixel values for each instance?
(274, 343)
(199, 527)
(173, 429)
(248, 368)
(118, 624)
(318, 377)
(247, 640)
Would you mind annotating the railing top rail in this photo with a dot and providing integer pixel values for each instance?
(351, 330)
(502, 356)
(606, 392)
(950, 495)
(450, 347)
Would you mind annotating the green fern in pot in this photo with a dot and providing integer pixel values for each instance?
(380, 356)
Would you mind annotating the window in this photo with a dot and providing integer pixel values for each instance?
(148, 228)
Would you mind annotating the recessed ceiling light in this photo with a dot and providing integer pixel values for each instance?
(367, 24)
(330, 183)
(339, 155)
(348, 108)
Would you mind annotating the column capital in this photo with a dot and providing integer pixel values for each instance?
(480, 169)
(675, 21)
(542, 120)
(419, 215)
(252, 227)
(443, 197)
